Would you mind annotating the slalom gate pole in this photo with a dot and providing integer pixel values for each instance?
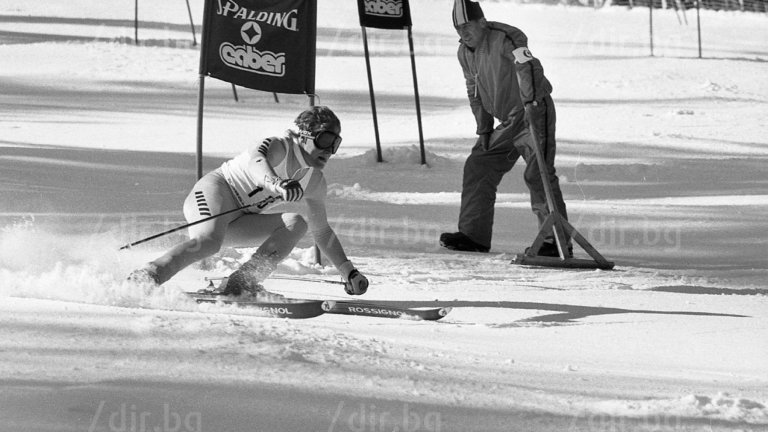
(200, 113)
(698, 23)
(373, 100)
(203, 71)
(173, 230)
(416, 93)
(650, 22)
(191, 24)
(316, 249)
(136, 22)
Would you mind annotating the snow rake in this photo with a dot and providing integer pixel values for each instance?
(560, 226)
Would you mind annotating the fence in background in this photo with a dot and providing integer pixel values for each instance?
(687, 15)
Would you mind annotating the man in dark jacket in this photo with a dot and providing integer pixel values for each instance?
(504, 81)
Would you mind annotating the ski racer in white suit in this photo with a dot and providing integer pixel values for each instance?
(279, 169)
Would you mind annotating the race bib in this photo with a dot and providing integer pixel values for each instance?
(522, 55)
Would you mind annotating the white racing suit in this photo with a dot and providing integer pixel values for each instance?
(239, 182)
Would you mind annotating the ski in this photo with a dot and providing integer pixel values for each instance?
(383, 310)
(291, 308)
(308, 308)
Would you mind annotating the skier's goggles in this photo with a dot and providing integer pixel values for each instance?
(325, 140)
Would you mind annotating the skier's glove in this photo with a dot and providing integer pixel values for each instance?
(289, 189)
(356, 284)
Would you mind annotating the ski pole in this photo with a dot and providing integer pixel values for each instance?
(285, 277)
(302, 170)
(173, 230)
(307, 279)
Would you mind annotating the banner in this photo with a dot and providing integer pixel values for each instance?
(264, 45)
(384, 14)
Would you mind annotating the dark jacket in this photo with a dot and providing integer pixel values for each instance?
(501, 76)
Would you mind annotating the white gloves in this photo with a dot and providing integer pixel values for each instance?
(289, 189)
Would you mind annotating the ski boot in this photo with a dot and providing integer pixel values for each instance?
(550, 250)
(238, 284)
(458, 241)
(145, 277)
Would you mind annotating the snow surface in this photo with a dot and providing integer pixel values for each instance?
(662, 163)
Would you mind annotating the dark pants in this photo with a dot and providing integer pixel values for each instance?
(483, 171)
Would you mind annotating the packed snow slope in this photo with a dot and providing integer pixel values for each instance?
(662, 162)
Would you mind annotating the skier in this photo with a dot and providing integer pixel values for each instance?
(506, 82)
(279, 169)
